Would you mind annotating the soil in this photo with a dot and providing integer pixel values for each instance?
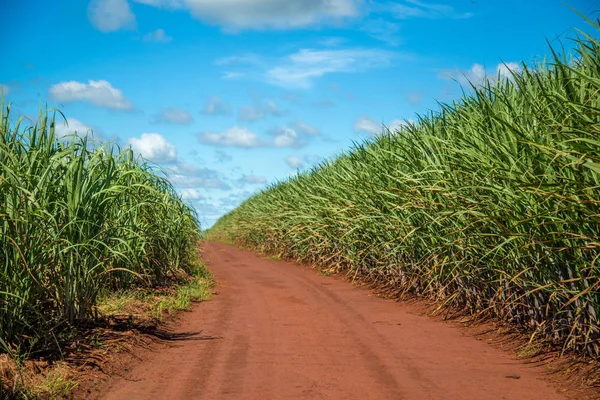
(277, 330)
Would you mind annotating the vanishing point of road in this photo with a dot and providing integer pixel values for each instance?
(277, 330)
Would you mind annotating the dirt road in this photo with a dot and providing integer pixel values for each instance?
(277, 330)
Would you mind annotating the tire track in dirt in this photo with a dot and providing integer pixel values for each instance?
(277, 330)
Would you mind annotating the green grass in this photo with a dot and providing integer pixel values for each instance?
(153, 302)
(77, 219)
(489, 204)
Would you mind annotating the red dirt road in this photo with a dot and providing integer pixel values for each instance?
(277, 330)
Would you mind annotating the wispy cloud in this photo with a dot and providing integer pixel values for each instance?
(418, 9)
(383, 30)
(300, 69)
(157, 36)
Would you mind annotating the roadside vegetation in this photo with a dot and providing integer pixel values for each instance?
(490, 204)
(82, 226)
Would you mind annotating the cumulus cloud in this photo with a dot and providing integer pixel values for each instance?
(300, 69)
(187, 176)
(286, 137)
(99, 93)
(234, 137)
(296, 135)
(173, 115)
(111, 15)
(366, 124)
(418, 9)
(154, 147)
(305, 128)
(157, 36)
(259, 111)
(215, 106)
(191, 194)
(235, 15)
(397, 124)
(252, 179)
(70, 127)
(506, 70)
(477, 74)
(294, 162)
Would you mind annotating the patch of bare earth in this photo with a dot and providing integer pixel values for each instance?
(279, 330)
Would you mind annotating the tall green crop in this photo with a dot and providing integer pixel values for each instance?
(492, 203)
(74, 219)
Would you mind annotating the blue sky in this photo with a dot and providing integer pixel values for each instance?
(231, 95)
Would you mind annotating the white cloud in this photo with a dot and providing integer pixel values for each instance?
(366, 124)
(4, 89)
(71, 126)
(222, 157)
(157, 36)
(259, 111)
(184, 176)
(397, 124)
(191, 194)
(99, 93)
(173, 115)
(301, 68)
(477, 74)
(305, 128)
(417, 9)
(282, 136)
(250, 113)
(154, 147)
(415, 98)
(286, 137)
(244, 58)
(504, 70)
(234, 137)
(383, 30)
(235, 15)
(187, 176)
(110, 15)
(294, 161)
(253, 179)
(216, 106)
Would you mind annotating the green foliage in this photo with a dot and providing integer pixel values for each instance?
(492, 203)
(75, 219)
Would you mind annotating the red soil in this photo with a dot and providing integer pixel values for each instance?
(277, 330)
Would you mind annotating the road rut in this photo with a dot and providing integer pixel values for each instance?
(277, 330)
